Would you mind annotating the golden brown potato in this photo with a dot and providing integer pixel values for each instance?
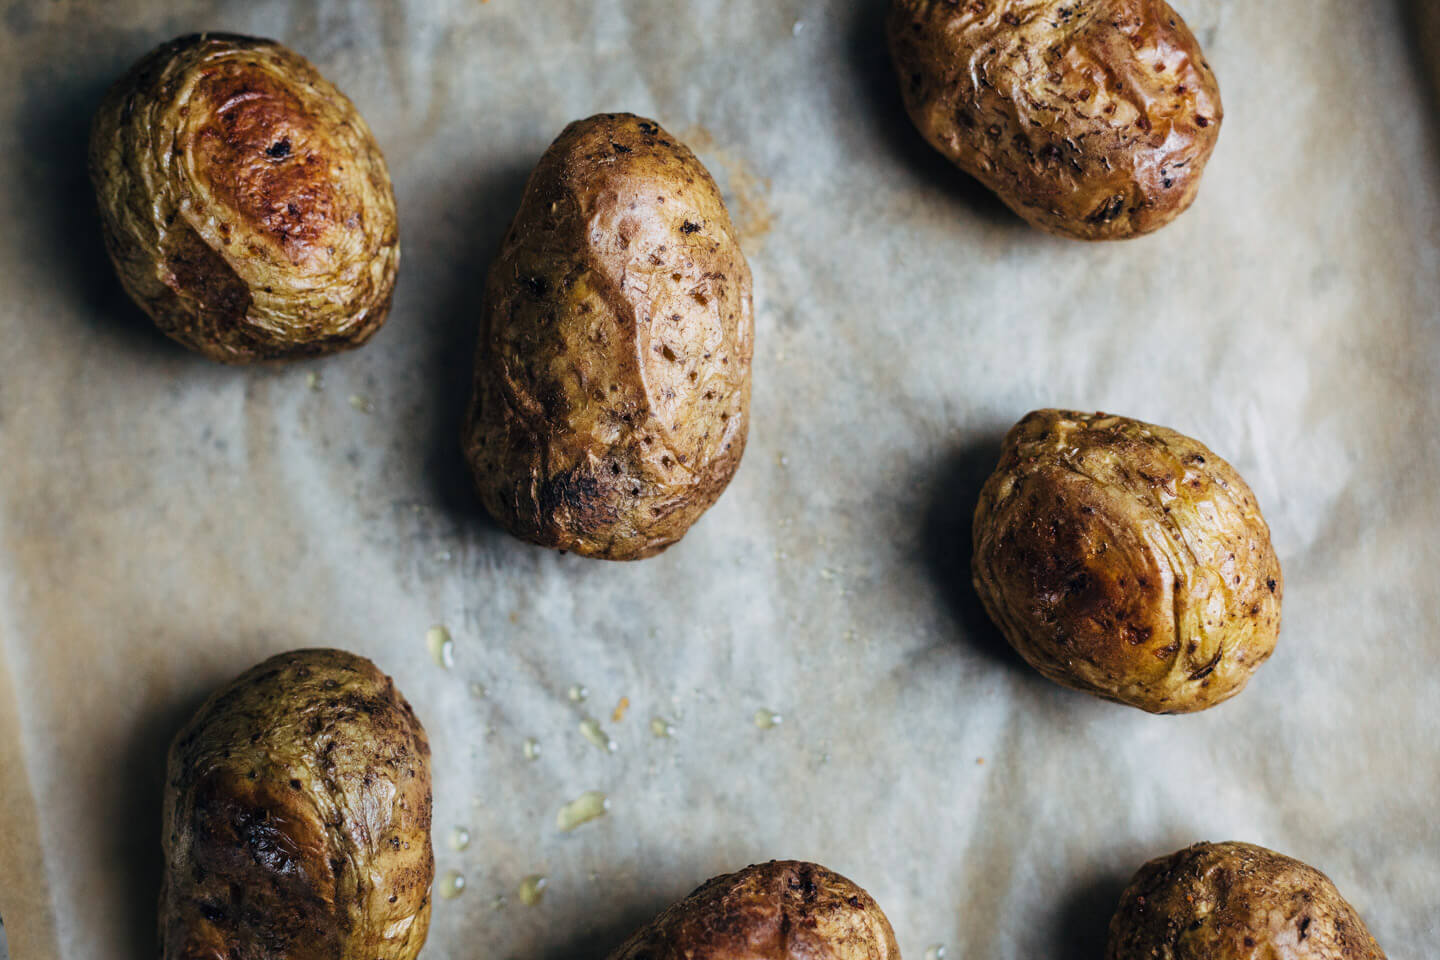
(297, 818)
(1091, 119)
(1126, 560)
(782, 910)
(1235, 901)
(244, 201)
(612, 380)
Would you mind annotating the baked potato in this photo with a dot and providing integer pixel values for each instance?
(1235, 901)
(784, 910)
(244, 201)
(612, 378)
(1092, 119)
(1126, 560)
(297, 818)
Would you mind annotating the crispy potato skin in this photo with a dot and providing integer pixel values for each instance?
(297, 818)
(1235, 901)
(1092, 119)
(1126, 560)
(244, 201)
(612, 379)
(782, 910)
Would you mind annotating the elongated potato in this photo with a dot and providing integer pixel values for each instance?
(1091, 119)
(612, 379)
(297, 818)
(782, 910)
(1126, 560)
(1236, 901)
(245, 203)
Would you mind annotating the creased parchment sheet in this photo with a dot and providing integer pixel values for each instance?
(165, 523)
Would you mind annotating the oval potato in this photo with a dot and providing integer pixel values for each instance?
(1091, 119)
(244, 201)
(782, 910)
(1235, 901)
(612, 379)
(1126, 560)
(297, 818)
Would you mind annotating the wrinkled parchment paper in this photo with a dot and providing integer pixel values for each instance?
(165, 523)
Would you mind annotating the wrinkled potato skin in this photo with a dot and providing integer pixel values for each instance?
(244, 201)
(297, 818)
(782, 910)
(1235, 901)
(1126, 560)
(612, 380)
(1092, 119)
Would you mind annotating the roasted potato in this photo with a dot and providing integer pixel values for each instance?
(1091, 119)
(785, 910)
(612, 379)
(1126, 560)
(297, 818)
(244, 201)
(1235, 901)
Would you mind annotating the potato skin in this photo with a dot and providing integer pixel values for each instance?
(1126, 560)
(1092, 119)
(1235, 901)
(782, 910)
(297, 818)
(244, 202)
(612, 378)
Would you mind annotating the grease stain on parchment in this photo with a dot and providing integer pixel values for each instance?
(747, 195)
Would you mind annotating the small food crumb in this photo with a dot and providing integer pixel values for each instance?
(620, 709)
(361, 402)
(498, 903)
(442, 648)
(478, 691)
(979, 761)
(532, 749)
(590, 805)
(578, 693)
(312, 380)
(661, 728)
(766, 719)
(591, 730)
(936, 951)
(532, 889)
(459, 839)
(452, 885)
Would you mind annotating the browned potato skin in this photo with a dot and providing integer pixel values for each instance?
(612, 379)
(1092, 119)
(244, 201)
(1126, 560)
(782, 910)
(297, 818)
(1235, 901)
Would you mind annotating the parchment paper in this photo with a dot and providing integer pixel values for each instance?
(165, 523)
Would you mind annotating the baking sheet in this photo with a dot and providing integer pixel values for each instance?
(165, 523)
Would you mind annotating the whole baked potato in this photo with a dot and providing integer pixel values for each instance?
(244, 201)
(297, 818)
(1126, 560)
(782, 910)
(1235, 901)
(612, 378)
(1091, 119)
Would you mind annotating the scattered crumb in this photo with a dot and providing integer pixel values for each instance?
(979, 761)
(361, 402)
(620, 709)
(312, 380)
